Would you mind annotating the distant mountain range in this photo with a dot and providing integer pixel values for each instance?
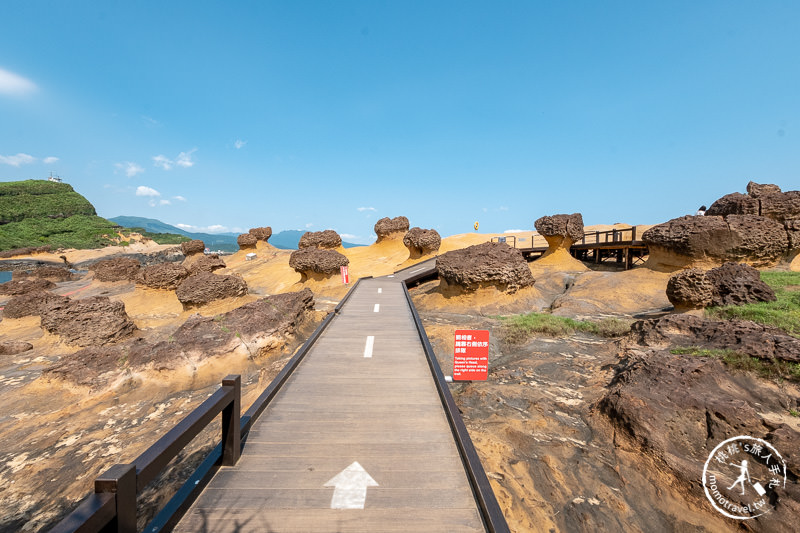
(286, 240)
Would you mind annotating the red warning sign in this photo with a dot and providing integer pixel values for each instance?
(471, 357)
(345, 274)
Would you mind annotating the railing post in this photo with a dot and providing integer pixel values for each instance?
(231, 434)
(633, 233)
(120, 480)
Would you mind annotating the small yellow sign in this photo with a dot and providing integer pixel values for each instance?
(476, 225)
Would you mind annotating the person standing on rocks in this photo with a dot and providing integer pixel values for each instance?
(701, 212)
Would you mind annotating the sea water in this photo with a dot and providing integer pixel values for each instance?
(5, 276)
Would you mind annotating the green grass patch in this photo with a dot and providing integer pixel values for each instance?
(79, 231)
(769, 369)
(518, 329)
(783, 313)
(20, 200)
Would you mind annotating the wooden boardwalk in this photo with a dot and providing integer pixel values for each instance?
(356, 440)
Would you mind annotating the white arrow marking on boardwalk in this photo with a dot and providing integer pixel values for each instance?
(377, 307)
(350, 490)
(380, 291)
(369, 345)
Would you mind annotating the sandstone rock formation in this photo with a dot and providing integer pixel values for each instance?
(117, 269)
(683, 241)
(32, 303)
(729, 284)
(483, 265)
(52, 273)
(246, 241)
(163, 276)
(205, 287)
(327, 239)
(94, 321)
(192, 247)
(255, 328)
(560, 231)
(262, 234)
(204, 263)
(734, 204)
(317, 263)
(422, 241)
(22, 286)
(387, 227)
(14, 347)
(757, 190)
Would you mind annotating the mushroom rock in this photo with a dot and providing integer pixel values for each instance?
(422, 241)
(22, 286)
(204, 263)
(560, 231)
(32, 303)
(327, 239)
(386, 227)
(317, 263)
(192, 247)
(117, 269)
(483, 265)
(163, 276)
(733, 204)
(729, 284)
(93, 321)
(692, 240)
(689, 289)
(246, 241)
(262, 234)
(205, 287)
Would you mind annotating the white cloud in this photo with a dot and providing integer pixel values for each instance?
(141, 190)
(14, 84)
(17, 160)
(503, 208)
(310, 224)
(163, 162)
(164, 202)
(187, 227)
(349, 236)
(362, 209)
(130, 169)
(515, 230)
(180, 198)
(50, 160)
(150, 121)
(239, 144)
(185, 159)
(213, 228)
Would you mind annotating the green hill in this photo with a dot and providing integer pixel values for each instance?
(40, 212)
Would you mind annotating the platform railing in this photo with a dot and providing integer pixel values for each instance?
(610, 236)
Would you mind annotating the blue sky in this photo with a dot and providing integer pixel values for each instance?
(316, 115)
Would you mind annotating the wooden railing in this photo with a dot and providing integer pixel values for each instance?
(610, 236)
(112, 506)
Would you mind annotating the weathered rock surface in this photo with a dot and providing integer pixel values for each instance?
(21, 286)
(14, 347)
(422, 241)
(32, 303)
(566, 226)
(94, 321)
(386, 227)
(117, 269)
(781, 206)
(327, 239)
(195, 246)
(204, 263)
(326, 262)
(163, 276)
(744, 336)
(262, 234)
(734, 204)
(205, 287)
(246, 241)
(690, 289)
(484, 265)
(729, 284)
(256, 327)
(757, 190)
(678, 408)
(167, 255)
(52, 273)
(748, 239)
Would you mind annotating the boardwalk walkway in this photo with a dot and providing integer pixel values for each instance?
(362, 399)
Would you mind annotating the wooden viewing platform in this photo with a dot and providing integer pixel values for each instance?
(358, 433)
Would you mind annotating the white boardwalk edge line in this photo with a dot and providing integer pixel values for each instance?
(350, 487)
(377, 308)
(417, 270)
(369, 345)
